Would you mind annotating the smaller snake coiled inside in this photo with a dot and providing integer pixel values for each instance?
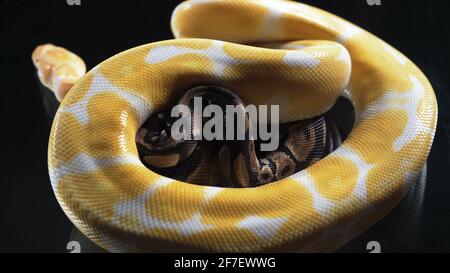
(228, 163)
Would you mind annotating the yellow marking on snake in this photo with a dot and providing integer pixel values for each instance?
(123, 206)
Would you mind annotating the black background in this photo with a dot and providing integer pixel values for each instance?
(31, 219)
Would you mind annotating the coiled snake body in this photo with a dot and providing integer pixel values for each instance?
(304, 60)
(232, 163)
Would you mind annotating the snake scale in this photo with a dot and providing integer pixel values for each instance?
(268, 52)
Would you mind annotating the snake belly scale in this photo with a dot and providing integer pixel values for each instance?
(305, 59)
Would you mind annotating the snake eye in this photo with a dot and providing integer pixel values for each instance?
(265, 176)
(285, 171)
(163, 136)
(152, 137)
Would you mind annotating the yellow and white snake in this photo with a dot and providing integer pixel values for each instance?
(268, 52)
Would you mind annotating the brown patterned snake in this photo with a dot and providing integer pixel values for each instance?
(228, 163)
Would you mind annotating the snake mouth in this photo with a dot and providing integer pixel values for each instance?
(228, 160)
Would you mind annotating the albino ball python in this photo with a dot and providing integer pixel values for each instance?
(314, 57)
